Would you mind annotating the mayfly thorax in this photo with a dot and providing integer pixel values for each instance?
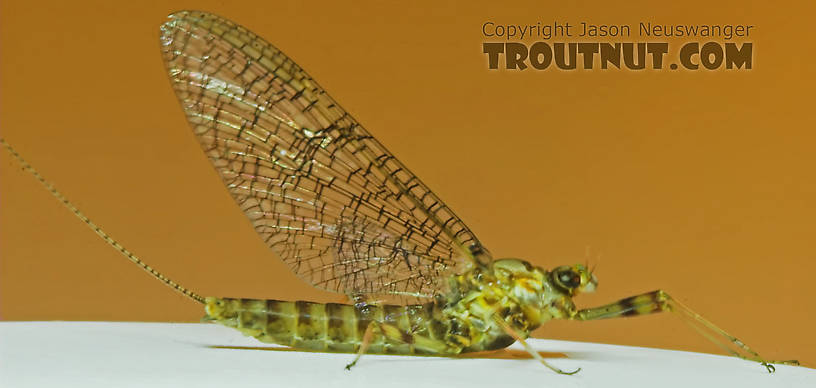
(348, 217)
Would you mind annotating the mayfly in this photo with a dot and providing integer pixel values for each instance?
(348, 217)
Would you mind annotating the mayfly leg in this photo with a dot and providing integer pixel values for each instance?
(658, 301)
(511, 332)
(368, 336)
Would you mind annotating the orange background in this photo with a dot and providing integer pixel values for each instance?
(697, 182)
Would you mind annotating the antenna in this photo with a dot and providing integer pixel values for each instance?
(108, 239)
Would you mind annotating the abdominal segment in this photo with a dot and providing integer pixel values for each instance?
(335, 327)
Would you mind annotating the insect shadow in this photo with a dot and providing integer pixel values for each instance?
(501, 354)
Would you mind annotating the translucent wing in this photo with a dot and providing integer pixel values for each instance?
(327, 197)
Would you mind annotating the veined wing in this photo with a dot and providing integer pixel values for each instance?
(325, 195)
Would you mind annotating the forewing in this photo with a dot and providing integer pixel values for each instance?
(327, 197)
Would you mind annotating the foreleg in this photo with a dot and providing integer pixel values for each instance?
(658, 301)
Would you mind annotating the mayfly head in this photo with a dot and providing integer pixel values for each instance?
(574, 279)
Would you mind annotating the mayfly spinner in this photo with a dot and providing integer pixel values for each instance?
(348, 217)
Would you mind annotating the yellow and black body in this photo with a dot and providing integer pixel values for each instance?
(465, 319)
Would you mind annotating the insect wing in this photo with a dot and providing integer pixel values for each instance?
(326, 196)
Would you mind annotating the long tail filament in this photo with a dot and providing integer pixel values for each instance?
(108, 239)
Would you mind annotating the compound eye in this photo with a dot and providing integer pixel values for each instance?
(569, 278)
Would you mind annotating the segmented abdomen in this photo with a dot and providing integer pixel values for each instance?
(334, 327)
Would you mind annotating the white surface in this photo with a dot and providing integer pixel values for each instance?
(105, 354)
